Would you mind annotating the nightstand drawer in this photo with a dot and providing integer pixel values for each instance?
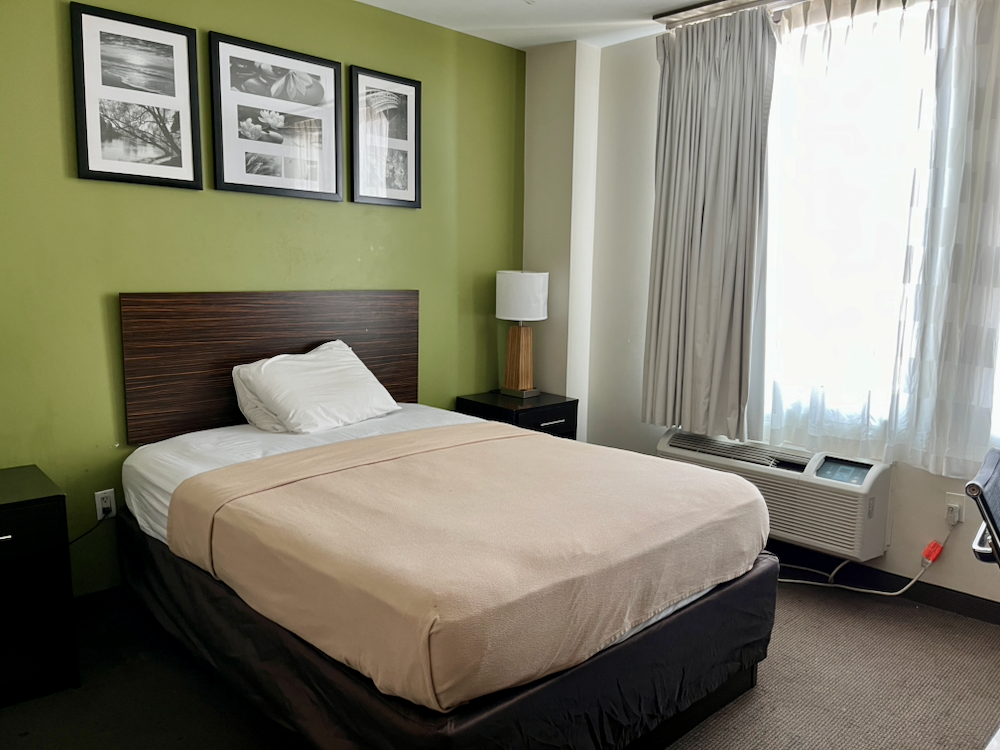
(554, 419)
(546, 412)
(27, 530)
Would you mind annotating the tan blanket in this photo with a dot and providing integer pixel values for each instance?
(452, 562)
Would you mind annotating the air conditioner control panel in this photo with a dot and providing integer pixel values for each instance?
(840, 470)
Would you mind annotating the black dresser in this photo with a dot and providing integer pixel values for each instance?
(38, 653)
(545, 412)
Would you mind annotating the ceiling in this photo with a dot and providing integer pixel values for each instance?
(529, 23)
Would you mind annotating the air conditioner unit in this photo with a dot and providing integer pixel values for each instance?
(835, 505)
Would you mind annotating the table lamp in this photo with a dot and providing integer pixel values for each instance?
(521, 296)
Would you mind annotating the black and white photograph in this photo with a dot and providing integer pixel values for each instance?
(271, 126)
(396, 169)
(391, 105)
(302, 169)
(385, 118)
(262, 164)
(136, 99)
(275, 81)
(277, 120)
(140, 133)
(137, 64)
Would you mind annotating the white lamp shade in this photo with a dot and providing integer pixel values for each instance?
(522, 295)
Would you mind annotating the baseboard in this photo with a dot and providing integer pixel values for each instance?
(863, 576)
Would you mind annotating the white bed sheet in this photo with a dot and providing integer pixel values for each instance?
(152, 473)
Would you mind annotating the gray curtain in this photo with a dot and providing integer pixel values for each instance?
(715, 97)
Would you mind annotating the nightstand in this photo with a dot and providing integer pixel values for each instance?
(37, 642)
(546, 412)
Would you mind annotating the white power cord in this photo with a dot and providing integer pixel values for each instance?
(837, 570)
(808, 570)
(925, 563)
(828, 576)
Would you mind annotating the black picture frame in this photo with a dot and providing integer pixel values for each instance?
(297, 146)
(370, 170)
(135, 84)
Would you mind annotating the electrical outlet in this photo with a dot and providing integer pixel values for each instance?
(956, 499)
(105, 500)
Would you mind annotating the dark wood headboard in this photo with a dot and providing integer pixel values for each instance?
(180, 349)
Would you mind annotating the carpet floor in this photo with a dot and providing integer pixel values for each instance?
(844, 671)
(139, 690)
(859, 672)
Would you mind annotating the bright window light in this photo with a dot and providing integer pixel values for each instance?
(845, 140)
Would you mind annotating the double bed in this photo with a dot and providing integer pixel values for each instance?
(416, 580)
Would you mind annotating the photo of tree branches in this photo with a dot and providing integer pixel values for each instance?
(140, 133)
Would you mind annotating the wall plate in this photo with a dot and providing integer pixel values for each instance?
(105, 499)
(955, 498)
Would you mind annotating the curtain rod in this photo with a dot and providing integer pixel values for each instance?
(671, 19)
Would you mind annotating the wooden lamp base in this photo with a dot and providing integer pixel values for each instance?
(519, 378)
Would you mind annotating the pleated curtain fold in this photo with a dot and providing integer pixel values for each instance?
(943, 388)
(851, 129)
(715, 95)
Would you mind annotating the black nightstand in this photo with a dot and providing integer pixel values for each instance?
(37, 643)
(546, 412)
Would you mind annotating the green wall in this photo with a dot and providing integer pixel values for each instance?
(69, 246)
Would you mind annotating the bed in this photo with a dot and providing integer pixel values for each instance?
(178, 354)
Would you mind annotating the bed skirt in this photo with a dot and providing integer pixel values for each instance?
(701, 656)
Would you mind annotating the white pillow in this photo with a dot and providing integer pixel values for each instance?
(303, 393)
(255, 412)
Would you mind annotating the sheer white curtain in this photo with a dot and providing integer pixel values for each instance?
(883, 266)
(943, 389)
(849, 125)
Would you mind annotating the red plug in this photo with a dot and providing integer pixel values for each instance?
(932, 552)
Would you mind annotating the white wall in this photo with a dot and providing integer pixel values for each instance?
(622, 245)
(623, 232)
(560, 181)
(918, 500)
(549, 99)
(581, 267)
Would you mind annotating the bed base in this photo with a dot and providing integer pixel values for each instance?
(672, 729)
(648, 690)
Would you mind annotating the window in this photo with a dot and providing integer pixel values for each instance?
(848, 137)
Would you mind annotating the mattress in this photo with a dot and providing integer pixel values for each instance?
(452, 562)
(612, 698)
(152, 473)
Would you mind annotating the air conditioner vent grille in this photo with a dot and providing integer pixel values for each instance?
(828, 518)
(753, 454)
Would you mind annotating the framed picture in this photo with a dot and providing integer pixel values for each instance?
(136, 86)
(385, 122)
(277, 120)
